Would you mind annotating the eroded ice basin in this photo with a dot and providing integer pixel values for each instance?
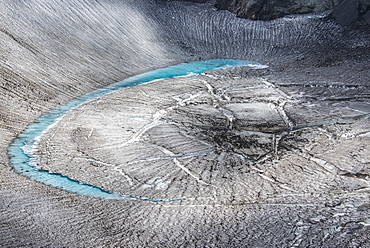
(22, 149)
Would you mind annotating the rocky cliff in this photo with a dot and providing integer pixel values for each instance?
(271, 9)
(347, 10)
(350, 10)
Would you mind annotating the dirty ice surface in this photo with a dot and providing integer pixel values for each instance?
(22, 149)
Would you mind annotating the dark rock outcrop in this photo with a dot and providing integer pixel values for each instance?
(350, 10)
(345, 11)
(272, 9)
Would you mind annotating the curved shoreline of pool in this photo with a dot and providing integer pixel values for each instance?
(21, 151)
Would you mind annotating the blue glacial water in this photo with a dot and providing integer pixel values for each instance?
(22, 149)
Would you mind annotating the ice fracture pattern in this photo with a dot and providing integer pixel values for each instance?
(257, 156)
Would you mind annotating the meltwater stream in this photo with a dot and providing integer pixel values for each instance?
(22, 149)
